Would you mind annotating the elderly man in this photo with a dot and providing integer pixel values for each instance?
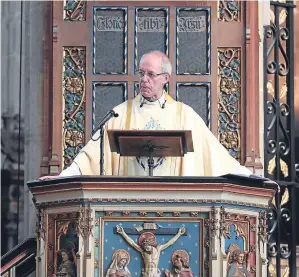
(153, 109)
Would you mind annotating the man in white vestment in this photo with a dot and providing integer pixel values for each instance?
(154, 109)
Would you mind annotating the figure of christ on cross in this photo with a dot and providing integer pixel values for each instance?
(149, 249)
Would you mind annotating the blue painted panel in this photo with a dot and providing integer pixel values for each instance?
(190, 243)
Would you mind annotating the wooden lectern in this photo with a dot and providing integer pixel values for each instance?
(153, 143)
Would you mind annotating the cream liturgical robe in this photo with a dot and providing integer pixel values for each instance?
(209, 158)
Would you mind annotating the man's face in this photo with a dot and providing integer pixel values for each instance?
(240, 258)
(152, 87)
(64, 256)
(178, 263)
(147, 248)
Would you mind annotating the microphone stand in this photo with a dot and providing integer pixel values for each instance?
(100, 127)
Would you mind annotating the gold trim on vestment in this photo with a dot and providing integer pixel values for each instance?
(127, 127)
(178, 127)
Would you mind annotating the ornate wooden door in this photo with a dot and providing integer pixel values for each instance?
(96, 51)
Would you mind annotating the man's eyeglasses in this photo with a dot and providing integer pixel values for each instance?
(151, 75)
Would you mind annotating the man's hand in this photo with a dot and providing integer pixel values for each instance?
(48, 177)
(119, 229)
(182, 231)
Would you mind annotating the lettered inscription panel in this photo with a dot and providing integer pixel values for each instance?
(151, 31)
(110, 40)
(193, 38)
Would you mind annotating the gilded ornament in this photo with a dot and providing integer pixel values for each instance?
(73, 138)
(283, 91)
(229, 139)
(270, 89)
(283, 167)
(271, 165)
(272, 17)
(282, 16)
(272, 270)
(229, 99)
(285, 197)
(286, 272)
(62, 227)
(229, 85)
(74, 85)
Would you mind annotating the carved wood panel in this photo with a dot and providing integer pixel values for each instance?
(112, 36)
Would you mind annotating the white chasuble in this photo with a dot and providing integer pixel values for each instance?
(209, 158)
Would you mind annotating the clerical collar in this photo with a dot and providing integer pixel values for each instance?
(161, 101)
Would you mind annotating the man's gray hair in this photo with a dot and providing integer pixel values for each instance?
(165, 63)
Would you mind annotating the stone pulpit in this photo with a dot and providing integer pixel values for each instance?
(151, 226)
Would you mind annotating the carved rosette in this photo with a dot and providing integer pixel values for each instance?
(74, 10)
(229, 10)
(229, 102)
(74, 94)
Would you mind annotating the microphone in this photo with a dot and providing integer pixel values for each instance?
(141, 105)
(103, 121)
(163, 106)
